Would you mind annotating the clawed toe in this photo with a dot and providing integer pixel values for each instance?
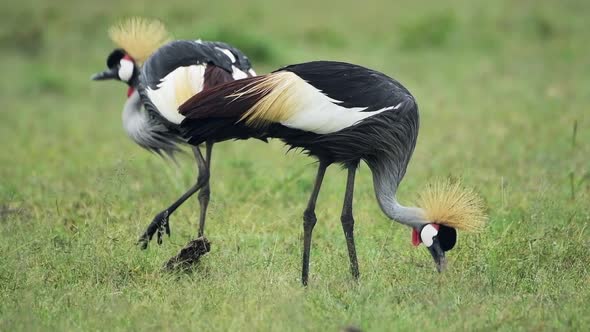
(159, 225)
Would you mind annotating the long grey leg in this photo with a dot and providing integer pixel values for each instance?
(309, 220)
(160, 223)
(205, 192)
(348, 221)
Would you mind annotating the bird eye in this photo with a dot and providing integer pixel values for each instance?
(125, 70)
(427, 235)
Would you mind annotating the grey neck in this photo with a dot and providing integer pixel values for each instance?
(134, 120)
(386, 179)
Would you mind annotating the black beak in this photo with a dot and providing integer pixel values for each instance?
(438, 254)
(109, 74)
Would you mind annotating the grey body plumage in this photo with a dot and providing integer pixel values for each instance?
(385, 140)
(143, 121)
(149, 130)
(163, 135)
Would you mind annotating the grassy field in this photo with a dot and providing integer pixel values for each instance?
(503, 89)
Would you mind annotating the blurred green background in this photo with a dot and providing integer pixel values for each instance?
(503, 89)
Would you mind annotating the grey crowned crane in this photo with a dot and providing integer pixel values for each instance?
(338, 113)
(158, 86)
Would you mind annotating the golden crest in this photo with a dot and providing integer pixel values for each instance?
(139, 37)
(450, 204)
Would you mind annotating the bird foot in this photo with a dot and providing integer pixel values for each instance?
(159, 225)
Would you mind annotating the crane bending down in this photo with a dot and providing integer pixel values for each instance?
(338, 113)
(172, 72)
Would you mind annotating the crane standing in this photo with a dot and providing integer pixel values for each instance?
(159, 87)
(338, 113)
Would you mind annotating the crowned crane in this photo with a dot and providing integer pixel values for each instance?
(338, 113)
(159, 86)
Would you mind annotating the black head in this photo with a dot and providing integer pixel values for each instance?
(438, 239)
(121, 66)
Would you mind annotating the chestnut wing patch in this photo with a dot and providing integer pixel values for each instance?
(215, 76)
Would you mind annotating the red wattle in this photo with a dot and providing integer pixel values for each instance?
(130, 91)
(415, 238)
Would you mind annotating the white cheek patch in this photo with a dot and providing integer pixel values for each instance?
(427, 235)
(125, 70)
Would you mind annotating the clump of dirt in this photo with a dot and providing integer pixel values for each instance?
(189, 255)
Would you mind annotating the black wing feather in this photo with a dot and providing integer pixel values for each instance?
(180, 53)
(242, 61)
(352, 85)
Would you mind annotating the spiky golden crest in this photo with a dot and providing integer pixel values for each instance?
(450, 204)
(281, 92)
(139, 37)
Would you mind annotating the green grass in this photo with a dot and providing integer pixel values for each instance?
(501, 87)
